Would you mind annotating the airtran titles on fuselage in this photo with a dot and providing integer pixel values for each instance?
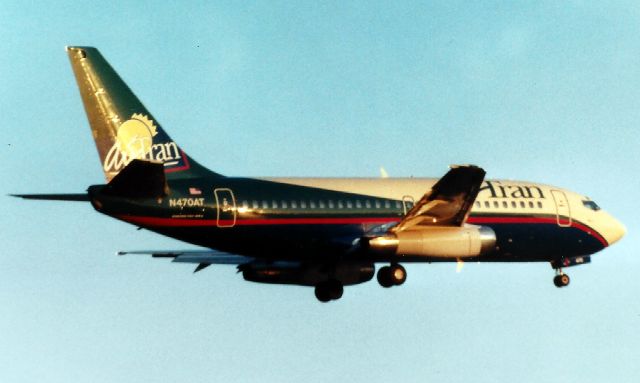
(497, 189)
(134, 140)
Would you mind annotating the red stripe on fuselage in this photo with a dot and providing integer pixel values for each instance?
(180, 222)
(533, 220)
(187, 222)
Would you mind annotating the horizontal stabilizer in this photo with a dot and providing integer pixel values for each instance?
(140, 179)
(84, 197)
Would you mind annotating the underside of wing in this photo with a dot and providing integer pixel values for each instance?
(203, 258)
(449, 201)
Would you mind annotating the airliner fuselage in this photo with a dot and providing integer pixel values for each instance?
(318, 218)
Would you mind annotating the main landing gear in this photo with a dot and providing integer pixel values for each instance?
(561, 279)
(393, 275)
(331, 289)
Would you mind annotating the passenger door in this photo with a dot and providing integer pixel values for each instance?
(563, 210)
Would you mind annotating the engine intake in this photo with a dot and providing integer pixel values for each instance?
(437, 242)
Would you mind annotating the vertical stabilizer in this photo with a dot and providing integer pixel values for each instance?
(122, 127)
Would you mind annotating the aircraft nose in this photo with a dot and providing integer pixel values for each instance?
(615, 231)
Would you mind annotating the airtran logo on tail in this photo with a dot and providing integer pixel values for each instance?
(134, 140)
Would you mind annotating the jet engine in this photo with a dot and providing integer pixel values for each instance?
(293, 273)
(436, 242)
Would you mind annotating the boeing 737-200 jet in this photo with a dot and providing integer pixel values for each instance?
(320, 232)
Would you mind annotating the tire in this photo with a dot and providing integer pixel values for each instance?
(335, 289)
(556, 281)
(384, 277)
(322, 293)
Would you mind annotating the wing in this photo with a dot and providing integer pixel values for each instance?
(448, 202)
(203, 258)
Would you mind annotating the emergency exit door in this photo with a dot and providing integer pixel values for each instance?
(226, 206)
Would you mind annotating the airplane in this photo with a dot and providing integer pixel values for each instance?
(325, 233)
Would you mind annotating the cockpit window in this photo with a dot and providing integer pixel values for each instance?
(591, 205)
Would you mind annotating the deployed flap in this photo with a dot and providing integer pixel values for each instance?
(139, 179)
(195, 256)
(449, 201)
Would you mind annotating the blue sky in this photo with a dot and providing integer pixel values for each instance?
(541, 91)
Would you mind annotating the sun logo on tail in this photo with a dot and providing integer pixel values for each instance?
(134, 140)
(135, 136)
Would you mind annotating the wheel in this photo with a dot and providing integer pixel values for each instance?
(335, 288)
(561, 280)
(397, 274)
(322, 292)
(384, 277)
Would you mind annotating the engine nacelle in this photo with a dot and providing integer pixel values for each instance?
(437, 242)
(306, 274)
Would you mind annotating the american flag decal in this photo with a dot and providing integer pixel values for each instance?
(195, 191)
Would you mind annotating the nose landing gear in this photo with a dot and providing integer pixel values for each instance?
(561, 279)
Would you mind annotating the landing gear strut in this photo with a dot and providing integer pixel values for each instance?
(331, 289)
(393, 275)
(561, 279)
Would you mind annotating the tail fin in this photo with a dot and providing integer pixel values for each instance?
(122, 127)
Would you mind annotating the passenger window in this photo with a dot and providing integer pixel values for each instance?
(283, 203)
(358, 204)
(477, 203)
(265, 204)
(331, 205)
(522, 204)
(294, 205)
(349, 205)
(514, 204)
(255, 204)
(274, 204)
(303, 204)
(531, 204)
(487, 204)
(340, 204)
(245, 204)
(321, 204)
(367, 204)
(312, 204)
(377, 203)
(398, 205)
(387, 205)
(540, 204)
(505, 204)
(496, 204)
